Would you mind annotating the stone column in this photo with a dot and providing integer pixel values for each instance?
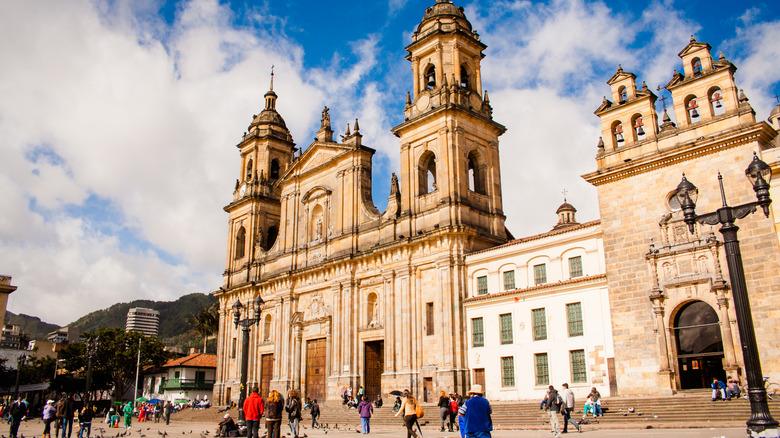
(440, 67)
(417, 79)
(456, 62)
(477, 76)
(298, 333)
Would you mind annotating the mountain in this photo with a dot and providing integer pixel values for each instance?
(173, 315)
(31, 325)
(173, 330)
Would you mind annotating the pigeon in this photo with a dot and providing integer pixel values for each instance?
(159, 433)
(148, 428)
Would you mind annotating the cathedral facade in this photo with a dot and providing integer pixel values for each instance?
(353, 296)
(673, 319)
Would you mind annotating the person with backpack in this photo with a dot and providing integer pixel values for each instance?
(409, 410)
(293, 409)
(18, 411)
(315, 414)
(85, 420)
(554, 403)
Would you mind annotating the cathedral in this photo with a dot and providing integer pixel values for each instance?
(353, 296)
(343, 295)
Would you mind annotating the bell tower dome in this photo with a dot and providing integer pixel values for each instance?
(450, 173)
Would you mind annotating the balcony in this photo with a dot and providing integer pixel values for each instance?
(187, 385)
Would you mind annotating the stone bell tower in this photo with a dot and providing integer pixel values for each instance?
(267, 150)
(450, 173)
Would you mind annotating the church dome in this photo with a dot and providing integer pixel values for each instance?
(269, 116)
(565, 207)
(775, 112)
(444, 10)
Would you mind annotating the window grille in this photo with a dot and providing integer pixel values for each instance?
(574, 318)
(507, 371)
(506, 328)
(575, 266)
(540, 274)
(477, 333)
(540, 324)
(578, 366)
(542, 370)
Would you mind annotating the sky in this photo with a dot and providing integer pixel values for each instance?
(119, 120)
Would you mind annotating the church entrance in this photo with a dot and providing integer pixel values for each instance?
(699, 345)
(266, 371)
(373, 366)
(315, 369)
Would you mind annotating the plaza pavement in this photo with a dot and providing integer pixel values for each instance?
(195, 429)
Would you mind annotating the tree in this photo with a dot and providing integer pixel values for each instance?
(114, 365)
(205, 322)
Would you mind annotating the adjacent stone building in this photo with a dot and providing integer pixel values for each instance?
(354, 296)
(673, 320)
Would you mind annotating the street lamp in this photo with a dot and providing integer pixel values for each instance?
(246, 325)
(92, 345)
(761, 423)
(19, 364)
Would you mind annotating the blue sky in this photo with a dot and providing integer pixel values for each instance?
(119, 120)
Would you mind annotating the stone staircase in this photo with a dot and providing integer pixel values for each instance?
(688, 409)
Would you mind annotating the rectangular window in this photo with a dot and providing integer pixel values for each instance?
(506, 328)
(429, 319)
(578, 368)
(540, 324)
(540, 274)
(574, 317)
(482, 285)
(477, 333)
(575, 267)
(507, 371)
(233, 349)
(509, 280)
(541, 369)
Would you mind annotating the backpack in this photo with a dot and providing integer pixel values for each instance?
(453, 406)
(418, 411)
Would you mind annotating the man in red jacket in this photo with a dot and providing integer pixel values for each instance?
(253, 410)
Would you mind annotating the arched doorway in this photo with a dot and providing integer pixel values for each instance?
(699, 345)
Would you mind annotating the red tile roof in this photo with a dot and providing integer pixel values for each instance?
(197, 360)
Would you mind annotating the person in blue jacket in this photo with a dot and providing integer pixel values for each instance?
(477, 421)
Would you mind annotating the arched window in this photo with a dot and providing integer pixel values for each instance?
(427, 173)
(464, 78)
(639, 127)
(249, 169)
(692, 107)
(697, 68)
(476, 175)
(716, 102)
(240, 243)
(273, 232)
(430, 77)
(617, 134)
(267, 328)
(623, 94)
(371, 316)
(274, 169)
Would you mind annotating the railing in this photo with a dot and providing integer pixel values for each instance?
(187, 384)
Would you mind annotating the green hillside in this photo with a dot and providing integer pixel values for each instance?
(31, 325)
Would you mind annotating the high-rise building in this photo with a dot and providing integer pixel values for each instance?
(143, 320)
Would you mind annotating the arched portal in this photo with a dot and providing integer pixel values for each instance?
(699, 345)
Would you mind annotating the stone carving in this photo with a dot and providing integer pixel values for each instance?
(317, 309)
(325, 122)
(394, 184)
(318, 230)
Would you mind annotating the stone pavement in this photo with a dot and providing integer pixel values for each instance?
(182, 429)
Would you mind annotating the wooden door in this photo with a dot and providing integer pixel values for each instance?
(266, 372)
(428, 389)
(373, 366)
(479, 377)
(315, 369)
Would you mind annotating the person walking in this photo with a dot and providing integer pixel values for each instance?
(444, 410)
(18, 411)
(315, 414)
(293, 409)
(365, 409)
(60, 407)
(85, 420)
(553, 404)
(167, 410)
(273, 415)
(409, 410)
(49, 415)
(253, 410)
(128, 411)
(477, 420)
(568, 407)
(68, 411)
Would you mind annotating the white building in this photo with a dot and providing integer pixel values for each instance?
(187, 378)
(538, 313)
(143, 320)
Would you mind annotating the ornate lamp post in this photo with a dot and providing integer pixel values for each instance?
(246, 324)
(20, 361)
(92, 345)
(761, 423)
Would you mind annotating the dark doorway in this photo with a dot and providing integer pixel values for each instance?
(315, 369)
(699, 345)
(428, 389)
(227, 397)
(266, 371)
(373, 366)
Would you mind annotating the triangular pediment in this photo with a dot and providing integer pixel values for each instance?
(619, 76)
(316, 155)
(694, 46)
